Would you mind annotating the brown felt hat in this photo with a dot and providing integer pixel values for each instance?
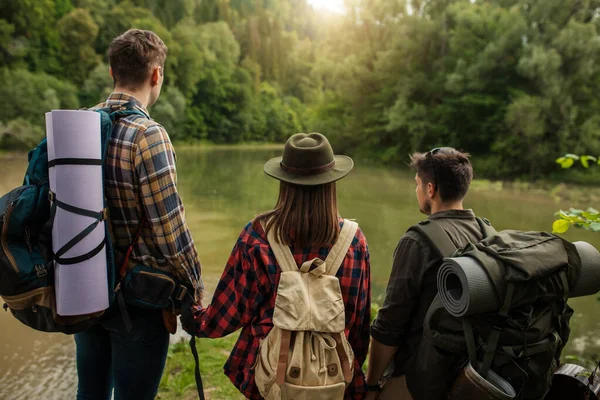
(308, 160)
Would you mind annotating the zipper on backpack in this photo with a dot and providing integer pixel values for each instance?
(157, 275)
(40, 269)
(11, 258)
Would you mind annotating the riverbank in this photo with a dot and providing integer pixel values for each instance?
(223, 187)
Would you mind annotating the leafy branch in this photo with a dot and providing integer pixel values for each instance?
(588, 219)
(568, 160)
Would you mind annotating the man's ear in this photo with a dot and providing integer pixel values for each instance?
(155, 76)
(430, 190)
(110, 71)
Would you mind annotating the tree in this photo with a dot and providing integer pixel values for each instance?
(20, 134)
(34, 24)
(97, 87)
(77, 31)
(169, 110)
(28, 95)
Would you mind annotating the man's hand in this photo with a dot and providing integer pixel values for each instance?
(380, 357)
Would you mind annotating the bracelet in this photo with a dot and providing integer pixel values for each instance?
(373, 388)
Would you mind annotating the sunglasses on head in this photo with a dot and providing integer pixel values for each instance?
(430, 154)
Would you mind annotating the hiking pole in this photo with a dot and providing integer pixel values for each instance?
(199, 385)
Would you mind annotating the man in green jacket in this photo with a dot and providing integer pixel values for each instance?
(443, 176)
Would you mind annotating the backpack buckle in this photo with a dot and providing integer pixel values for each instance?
(182, 291)
(40, 270)
(51, 196)
(104, 213)
(117, 107)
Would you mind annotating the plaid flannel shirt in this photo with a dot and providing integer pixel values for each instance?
(245, 298)
(141, 179)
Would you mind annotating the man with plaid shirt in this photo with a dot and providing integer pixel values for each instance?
(140, 187)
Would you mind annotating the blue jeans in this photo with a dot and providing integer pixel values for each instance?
(130, 362)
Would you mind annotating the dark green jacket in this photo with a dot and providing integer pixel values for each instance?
(412, 285)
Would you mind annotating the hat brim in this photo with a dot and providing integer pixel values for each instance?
(343, 165)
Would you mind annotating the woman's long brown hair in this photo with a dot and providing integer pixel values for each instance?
(305, 216)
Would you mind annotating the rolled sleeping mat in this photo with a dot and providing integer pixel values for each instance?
(589, 279)
(466, 289)
(81, 284)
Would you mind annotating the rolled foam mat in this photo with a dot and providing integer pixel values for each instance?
(589, 279)
(466, 289)
(80, 288)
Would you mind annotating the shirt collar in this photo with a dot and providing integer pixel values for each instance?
(460, 214)
(119, 98)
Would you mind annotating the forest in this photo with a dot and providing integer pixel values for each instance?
(513, 82)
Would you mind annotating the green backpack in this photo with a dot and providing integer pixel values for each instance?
(27, 259)
(522, 341)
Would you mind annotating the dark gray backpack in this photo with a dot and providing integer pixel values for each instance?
(523, 341)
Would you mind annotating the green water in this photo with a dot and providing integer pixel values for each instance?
(224, 188)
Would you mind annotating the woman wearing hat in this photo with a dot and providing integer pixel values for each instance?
(306, 219)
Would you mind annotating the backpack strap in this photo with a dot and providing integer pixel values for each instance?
(344, 360)
(282, 253)
(497, 328)
(282, 361)
(486, 227)
(340, 248)
(437, 237)
(439, 240)
(334, 259)
(98, 216)
(117, 111)
(199, 385)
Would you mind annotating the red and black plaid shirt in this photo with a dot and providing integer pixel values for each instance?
(245, 298)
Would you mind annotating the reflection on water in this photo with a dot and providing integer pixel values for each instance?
(35, 365)
(222, 190)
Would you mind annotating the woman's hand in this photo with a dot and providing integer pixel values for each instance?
(189, 310)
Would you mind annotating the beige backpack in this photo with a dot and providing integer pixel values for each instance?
(306, 355)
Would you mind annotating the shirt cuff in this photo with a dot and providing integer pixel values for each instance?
(384, 337)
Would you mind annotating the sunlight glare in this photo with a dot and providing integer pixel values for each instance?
(335, 6)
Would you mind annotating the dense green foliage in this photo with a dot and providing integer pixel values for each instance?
(510, 81)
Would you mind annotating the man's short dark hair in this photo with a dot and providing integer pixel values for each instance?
(132, 56)
(447, 168)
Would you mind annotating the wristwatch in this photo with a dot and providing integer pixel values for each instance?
(373, 388)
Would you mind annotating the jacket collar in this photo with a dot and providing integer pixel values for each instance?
(458, 214)
(118, 98)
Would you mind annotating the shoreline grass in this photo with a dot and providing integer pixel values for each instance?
(178, 381)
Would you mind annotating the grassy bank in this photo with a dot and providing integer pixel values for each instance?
(178, 382)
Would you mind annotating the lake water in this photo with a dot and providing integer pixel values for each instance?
(224, 188)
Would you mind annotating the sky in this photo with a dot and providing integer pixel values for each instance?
(336, 6)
